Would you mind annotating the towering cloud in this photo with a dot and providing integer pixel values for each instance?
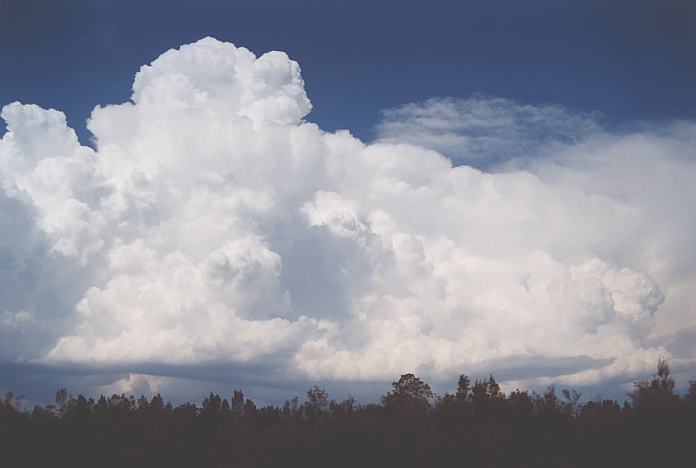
(214, 226)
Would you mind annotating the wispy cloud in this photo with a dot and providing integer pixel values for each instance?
(483, 130)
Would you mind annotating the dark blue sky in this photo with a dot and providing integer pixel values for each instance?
(631, 60)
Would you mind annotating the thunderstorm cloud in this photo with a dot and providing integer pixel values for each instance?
(214, 226)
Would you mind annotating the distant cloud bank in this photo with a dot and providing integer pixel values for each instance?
(214, 226)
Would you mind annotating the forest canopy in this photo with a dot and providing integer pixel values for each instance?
(477, 426)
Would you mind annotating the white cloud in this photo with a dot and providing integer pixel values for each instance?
(484, 130)
(213, 225)
(136, 384)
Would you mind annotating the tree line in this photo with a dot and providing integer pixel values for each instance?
(477, 426)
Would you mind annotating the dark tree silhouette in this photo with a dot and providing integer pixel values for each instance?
(477, 426)
(408, 392)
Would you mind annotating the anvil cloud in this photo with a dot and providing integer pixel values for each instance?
(213, 225)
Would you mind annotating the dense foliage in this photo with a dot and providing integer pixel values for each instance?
(478, 426)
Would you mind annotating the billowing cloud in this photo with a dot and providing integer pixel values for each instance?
(213, 226)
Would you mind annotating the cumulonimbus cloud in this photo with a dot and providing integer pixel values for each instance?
(212, 224)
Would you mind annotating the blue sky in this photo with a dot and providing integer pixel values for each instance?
(515, 195)
(629, 60)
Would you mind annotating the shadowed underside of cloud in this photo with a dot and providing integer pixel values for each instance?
(214, 228)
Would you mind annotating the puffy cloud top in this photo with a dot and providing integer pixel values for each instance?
(217, 76)
(213, 226)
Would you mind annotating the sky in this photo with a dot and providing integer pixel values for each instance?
(264, 195)
(630, 60)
